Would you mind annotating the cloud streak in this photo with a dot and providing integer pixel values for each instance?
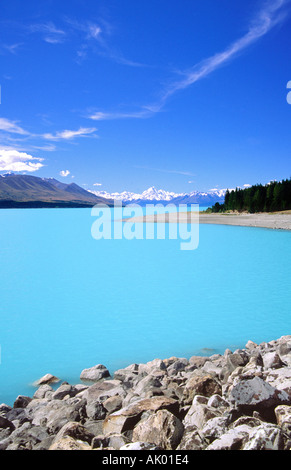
(69, 134)
(163, 170)
(267, 18)
(7, 125)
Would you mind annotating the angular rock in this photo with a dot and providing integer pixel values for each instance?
(272, 360)
(103, 390)
(199, 414)
(255, 392)
(192, 439)
(161, 428)
(76, 431)
(214, 428)
(47, 380)
(113, 404)
(94, 374)
(126, 418)
(21, 401)
(6, 424)
(233, 439)
(65, 390)
(283, 417)
(43, 391)
(95, 410)
(265, 437)
(205, 385)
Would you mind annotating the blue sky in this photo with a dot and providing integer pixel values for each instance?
(186, 95)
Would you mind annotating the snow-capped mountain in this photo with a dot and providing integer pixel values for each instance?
(153, 195)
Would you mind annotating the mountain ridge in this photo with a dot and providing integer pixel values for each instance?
(33, 191)
(152, 194)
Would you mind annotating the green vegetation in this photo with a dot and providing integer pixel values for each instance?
(275, 196)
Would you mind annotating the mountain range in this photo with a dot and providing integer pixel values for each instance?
(32, 191)
(153, 195)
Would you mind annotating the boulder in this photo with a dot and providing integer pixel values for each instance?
(283, 417)
(256, 393)
(192, 439)
(233, 439)
(21, 401)
(94, 374)
(126, 418)
(43, 391)
(272, 360)
(199, 414)
(103, 390)
(95, 410)
(47, 380)
(161, 428)
(205, 385)
(265, 437)
(113, 404)
(76, 431)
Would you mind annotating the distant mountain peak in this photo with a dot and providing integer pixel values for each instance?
(152, 195)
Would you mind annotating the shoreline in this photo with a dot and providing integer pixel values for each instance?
(239, 400)
(276, 221)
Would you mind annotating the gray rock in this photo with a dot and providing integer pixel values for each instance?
(272, 360)
(233, 439)
(199, 414)
(214, 428)
(265, 437)
(126, 418)
(95, 410)
(43, 391)
(113, 404)
(192, 439)
(161, 428)
(47, 380)
(255, 392)
(76, 431)
(94, 374)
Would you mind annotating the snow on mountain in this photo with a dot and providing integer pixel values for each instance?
(152, 195)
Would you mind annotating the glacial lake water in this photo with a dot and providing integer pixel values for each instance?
(69, 301)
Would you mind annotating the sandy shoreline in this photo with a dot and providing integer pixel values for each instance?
(278, 220)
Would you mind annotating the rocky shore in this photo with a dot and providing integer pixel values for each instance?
(240, 400)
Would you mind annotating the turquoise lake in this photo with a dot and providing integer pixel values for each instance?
(69, 302)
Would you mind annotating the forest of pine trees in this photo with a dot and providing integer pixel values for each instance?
(275, 196)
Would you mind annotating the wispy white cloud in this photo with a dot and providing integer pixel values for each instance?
(163, 170)
(11, 126)
(271, 14)
(109, 116)
(95, 37)
(12, 48)
(267, 18)
(65, 173)
(97, 184)
(69, 134)
(13, 160)
(50, 33)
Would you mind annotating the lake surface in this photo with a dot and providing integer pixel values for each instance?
(69, 301)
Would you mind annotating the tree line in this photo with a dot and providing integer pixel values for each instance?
(274, 196)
